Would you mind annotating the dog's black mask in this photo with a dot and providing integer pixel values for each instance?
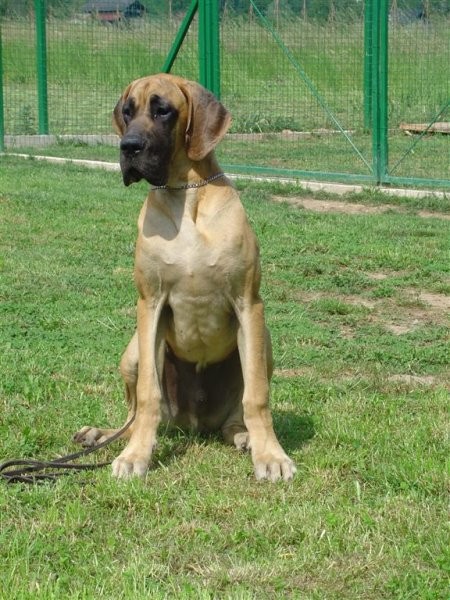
(147, 145)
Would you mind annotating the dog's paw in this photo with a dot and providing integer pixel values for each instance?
(127, 465)
(274, 466)
(89, 436)
(242, 440)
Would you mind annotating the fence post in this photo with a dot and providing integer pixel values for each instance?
(181, 34)
(2, 113)
(380, 89)
(41, 65)
(209, 45)
(368, 50)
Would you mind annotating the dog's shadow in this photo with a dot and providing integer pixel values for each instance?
(293, 431)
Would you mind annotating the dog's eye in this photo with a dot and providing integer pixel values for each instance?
(126, 113)
(161, 112)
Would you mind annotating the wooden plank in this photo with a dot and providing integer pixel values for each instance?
(440, 127)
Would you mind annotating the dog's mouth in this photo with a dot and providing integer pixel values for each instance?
(135, 168)
(145, 157)
(130, 175)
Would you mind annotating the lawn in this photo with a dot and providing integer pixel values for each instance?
(357, 305)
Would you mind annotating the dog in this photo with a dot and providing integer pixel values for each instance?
(201, 355)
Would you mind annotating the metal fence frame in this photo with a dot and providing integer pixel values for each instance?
(376, 29)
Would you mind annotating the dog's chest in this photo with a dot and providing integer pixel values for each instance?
(190, 261)
(178, 255)
(197, 268)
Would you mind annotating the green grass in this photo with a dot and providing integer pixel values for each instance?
(360, 406)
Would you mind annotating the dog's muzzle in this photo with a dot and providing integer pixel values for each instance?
(131, 164)
(142, 158)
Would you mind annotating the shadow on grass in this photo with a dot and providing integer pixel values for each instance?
(293, 432)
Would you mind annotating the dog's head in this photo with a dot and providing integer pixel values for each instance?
(163, 121)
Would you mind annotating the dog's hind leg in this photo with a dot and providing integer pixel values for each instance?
(224, 388)
(92, 436)
(234, 431)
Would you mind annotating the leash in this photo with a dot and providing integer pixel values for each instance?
(38, 471)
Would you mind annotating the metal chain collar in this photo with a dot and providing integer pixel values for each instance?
(189, 186)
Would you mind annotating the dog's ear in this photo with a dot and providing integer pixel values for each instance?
(208, 120)
(118, 122)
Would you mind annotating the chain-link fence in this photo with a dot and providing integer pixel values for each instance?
(320, 88)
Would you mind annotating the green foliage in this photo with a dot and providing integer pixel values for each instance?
(27, 121)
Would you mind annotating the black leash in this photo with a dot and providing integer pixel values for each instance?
(37, 471)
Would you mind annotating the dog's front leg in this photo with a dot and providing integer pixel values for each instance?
(269, 459)
(135, 458)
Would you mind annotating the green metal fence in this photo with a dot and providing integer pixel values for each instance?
(347, 91)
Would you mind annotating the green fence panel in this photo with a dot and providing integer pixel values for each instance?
(317, 88)
(41, 64)
(2, 112)
(19, 75)
(209, 45)
(180, 37)
(419, 93)
(298, 100)
(90, 60)
(379, 67)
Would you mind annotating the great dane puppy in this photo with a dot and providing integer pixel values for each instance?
(201, 356)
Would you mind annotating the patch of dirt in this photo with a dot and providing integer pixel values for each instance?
(350, 208)
(306, 297)
(360, 301)
(346, 299)
(402, 328)
(417, 308)
(347, 332)
(401, 379)
(294, 372)
(425, 214)
(425, 380)
(326, 206)
(430, 308)
(377, 276)
(436, 301)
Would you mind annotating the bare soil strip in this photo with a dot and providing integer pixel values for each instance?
(350, 208)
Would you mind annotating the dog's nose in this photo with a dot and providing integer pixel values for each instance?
(132, 144)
